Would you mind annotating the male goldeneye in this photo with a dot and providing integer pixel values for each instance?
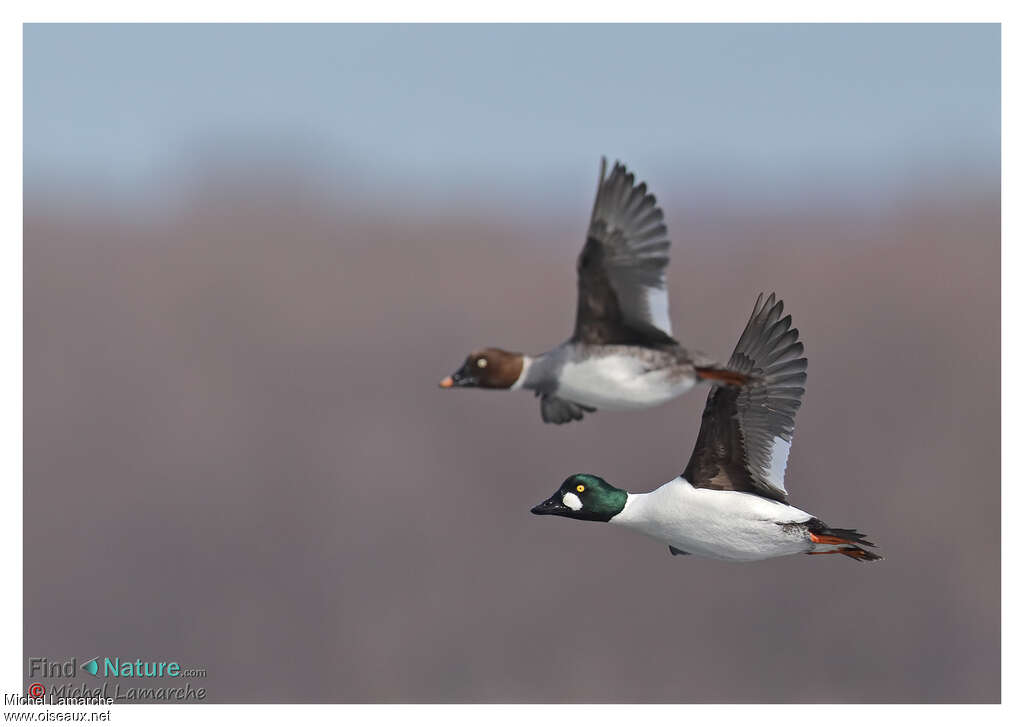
(621, 354)
(730, 502)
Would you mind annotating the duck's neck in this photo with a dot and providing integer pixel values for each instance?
(521, 382)
(633, 510)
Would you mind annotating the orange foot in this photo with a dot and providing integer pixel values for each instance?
(829, 540)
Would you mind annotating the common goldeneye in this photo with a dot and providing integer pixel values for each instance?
(730, 502)
(621, 354)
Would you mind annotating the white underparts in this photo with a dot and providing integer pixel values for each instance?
(621, 381)
(722, 524)
(572, 502)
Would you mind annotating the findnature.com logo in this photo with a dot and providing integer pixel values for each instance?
(112, 667)
(104, 684)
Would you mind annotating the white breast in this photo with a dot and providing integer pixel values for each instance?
(620, 382)
(714, 523)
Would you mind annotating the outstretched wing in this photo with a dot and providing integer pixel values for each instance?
(745, 433)
(621, 270)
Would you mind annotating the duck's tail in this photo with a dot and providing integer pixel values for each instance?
(826, 540)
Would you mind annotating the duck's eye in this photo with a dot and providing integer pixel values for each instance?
(481, 362)
(580, 488)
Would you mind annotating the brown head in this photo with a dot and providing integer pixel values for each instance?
(487, 368)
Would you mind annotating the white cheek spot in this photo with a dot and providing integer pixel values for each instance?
(481, 362)
(572, 502)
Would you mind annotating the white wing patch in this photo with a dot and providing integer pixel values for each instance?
(777, 466)
(572, 502)
(657, 304)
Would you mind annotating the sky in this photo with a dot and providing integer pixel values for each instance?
(512, 107)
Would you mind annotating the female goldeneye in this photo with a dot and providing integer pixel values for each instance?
(730, 502)
(621, 354)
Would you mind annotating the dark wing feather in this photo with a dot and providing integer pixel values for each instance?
(621, 270)
(560, 411)
(745, 433)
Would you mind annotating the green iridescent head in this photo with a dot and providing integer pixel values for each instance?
(584, 497)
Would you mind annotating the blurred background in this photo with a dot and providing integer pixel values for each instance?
(251, 252)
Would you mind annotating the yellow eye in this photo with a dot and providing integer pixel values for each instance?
(580, 488)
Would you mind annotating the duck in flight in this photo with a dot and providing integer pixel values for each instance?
(730, 502)
(621, 354)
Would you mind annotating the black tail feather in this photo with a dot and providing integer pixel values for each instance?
(846, 534)
(851, 540)
(860, 554)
